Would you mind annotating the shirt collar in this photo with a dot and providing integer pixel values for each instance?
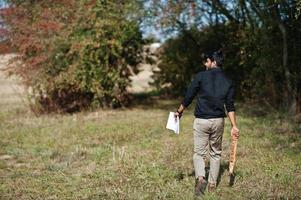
(214, 68)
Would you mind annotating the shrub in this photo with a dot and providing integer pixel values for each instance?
(75, 54)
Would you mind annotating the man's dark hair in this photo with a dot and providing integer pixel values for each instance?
(216, 56)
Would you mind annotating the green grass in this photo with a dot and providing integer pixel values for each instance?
(128, 154)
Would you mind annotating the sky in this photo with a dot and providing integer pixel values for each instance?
(2, 4)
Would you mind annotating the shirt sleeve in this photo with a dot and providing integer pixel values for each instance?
(192, 91)
(230, 99)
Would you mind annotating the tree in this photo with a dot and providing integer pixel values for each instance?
(257, 32)
(75, 54)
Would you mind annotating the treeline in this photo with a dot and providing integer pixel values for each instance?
(80, 53)
(261, 41)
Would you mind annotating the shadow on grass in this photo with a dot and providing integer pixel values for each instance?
(224, 167)
(232, 179)
(154, 100)
(157, 100)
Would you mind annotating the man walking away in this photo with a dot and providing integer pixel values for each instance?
(215, 93)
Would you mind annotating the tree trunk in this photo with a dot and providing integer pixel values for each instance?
(290, 100)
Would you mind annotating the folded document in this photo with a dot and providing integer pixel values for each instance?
(173, 123)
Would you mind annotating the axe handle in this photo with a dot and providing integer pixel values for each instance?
(232, 154)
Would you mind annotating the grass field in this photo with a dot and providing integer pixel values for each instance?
(128, 154)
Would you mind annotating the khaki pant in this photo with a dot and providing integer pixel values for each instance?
(208, 133)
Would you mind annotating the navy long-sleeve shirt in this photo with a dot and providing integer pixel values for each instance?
(214, 91)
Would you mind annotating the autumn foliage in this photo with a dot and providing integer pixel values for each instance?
(73, 54)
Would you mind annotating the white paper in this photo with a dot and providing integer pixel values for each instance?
(173, 123)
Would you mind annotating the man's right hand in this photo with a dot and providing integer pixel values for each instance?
(177, 114)
(235, 132)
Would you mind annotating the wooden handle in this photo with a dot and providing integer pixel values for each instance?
(232, 159)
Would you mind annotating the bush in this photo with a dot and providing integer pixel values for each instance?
(77, 54)
(182, 57)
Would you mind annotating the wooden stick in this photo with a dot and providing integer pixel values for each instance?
(233, 148)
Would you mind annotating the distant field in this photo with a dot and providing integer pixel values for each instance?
(128, 154)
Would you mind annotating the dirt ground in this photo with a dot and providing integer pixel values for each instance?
(140, 82)
(11, 90)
